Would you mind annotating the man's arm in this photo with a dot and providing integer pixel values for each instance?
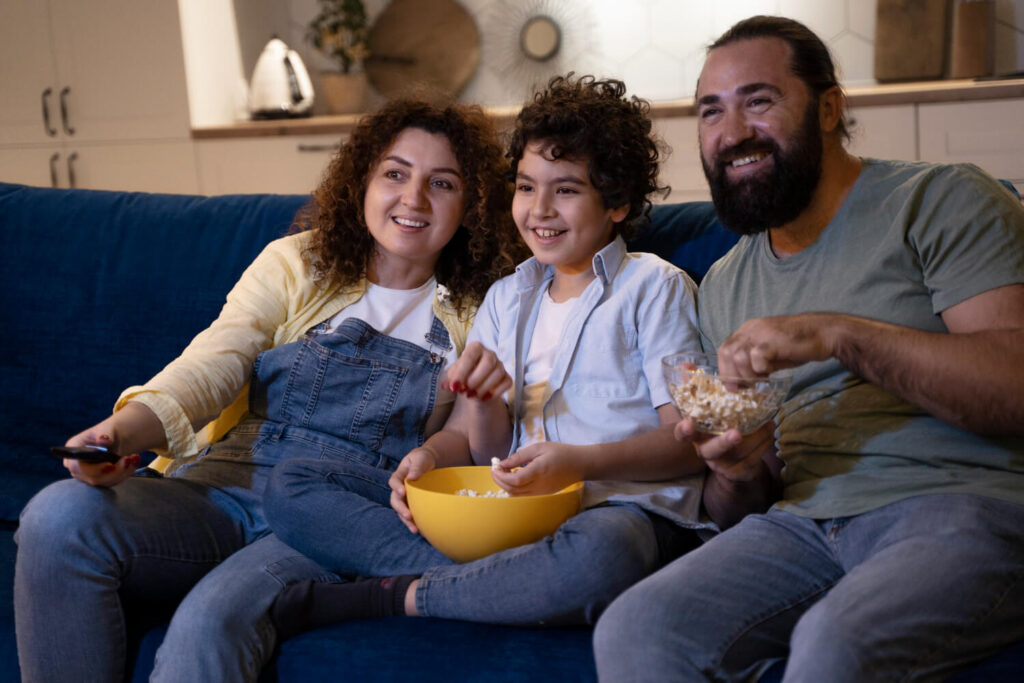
(972, 377)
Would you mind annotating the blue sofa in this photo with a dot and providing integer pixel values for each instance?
(101, 289)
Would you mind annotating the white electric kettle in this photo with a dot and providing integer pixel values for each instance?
(280, 86)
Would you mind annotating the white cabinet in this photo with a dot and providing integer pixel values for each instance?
(884, 132)
(281, 165)
(82, 76)
(987, 133)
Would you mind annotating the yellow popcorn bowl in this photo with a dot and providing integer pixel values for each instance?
(470, 527)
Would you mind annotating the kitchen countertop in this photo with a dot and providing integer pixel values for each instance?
(923, 92)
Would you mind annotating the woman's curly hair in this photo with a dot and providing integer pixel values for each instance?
(588, 119)
(486, 245)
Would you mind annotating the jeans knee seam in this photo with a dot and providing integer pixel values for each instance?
(934, 655)
(756, 620)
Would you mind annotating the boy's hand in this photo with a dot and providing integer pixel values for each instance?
(478, 373)
(418, 462)
(544, 467)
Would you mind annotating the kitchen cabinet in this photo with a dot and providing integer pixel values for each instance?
(81, 77)
(987, 133)
(281, 164)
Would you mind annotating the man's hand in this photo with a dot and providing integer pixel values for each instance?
(743, 470)
(763, 345)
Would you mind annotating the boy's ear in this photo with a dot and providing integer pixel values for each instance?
(619, 213)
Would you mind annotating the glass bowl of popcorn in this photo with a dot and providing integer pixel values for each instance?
(718, 404)
(466, 516)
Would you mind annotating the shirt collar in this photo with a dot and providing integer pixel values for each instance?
(531, 272)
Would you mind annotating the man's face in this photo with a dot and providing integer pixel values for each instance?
(760, 136)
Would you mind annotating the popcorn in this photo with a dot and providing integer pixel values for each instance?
(495, 463)
(716, 408)
(501, 493)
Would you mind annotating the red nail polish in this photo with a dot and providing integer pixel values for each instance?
(456, 387)
(471, 393)
(486, 397)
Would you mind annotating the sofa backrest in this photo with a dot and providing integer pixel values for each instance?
(102, 289)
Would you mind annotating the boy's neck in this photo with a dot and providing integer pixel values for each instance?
(569, 285)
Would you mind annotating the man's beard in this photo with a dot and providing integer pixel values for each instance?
(775, 197)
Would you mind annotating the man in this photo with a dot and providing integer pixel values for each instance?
(895, 291)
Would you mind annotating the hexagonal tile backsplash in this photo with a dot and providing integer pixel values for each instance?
(657, 46)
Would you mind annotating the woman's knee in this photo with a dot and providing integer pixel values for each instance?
(63, 510)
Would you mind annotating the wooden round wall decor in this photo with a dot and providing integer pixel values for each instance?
(435, 42)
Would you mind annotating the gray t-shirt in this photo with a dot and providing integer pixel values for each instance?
(911, 240)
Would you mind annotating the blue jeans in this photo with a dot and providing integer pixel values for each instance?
(917, 589)
(338, 513)
(199, 535)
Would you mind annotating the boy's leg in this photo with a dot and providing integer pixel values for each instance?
(934, 582)
(566, 578)
(339, 513)
(722, 611)
(222, 631)
(81, 549)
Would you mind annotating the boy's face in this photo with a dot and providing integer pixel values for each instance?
(560, 215)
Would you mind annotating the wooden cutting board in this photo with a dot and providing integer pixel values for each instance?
(422, 41)
(910, 40)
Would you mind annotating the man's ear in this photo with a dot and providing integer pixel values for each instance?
(830, 108)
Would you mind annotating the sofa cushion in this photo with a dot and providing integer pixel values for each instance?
(101, 290)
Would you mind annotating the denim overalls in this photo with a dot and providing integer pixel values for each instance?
(352, 394)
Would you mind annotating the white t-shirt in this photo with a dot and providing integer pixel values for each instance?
(405, 314)
(537, 368)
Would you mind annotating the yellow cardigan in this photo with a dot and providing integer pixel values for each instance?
(201, 394)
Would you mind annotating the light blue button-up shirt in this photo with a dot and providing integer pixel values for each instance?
(606, 381)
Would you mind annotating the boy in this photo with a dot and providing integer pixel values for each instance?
(577, 334)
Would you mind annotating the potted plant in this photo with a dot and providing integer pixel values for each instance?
(339, 31)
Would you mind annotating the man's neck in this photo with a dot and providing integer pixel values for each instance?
(839, 172)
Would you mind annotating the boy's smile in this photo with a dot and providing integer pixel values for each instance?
(560, 215)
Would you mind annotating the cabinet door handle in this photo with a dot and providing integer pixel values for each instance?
(319, 148)
(71, 170)
(50, 130)
(53, 168)
(64, 110)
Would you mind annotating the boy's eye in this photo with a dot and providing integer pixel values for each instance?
(567, 190)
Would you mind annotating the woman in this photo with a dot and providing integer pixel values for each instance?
(343, 331)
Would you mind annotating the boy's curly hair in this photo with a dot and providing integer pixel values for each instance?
(588, 119)
(486, 245)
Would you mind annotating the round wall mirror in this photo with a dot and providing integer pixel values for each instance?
(540, 38)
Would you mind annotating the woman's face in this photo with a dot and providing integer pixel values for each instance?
(413, 204)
